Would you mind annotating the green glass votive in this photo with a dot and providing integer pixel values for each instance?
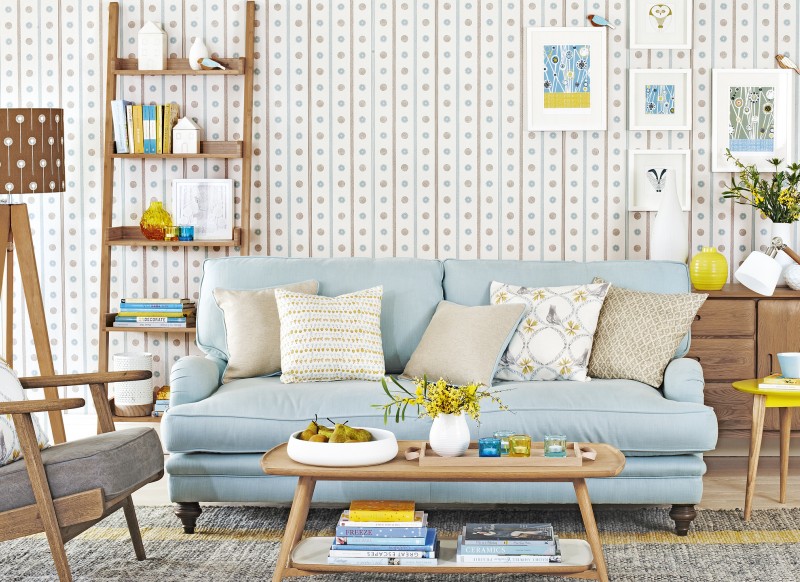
(489, 447)
(519, 445)
(503, 436)
(555, 445)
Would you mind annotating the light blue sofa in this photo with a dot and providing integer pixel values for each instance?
(216, 434)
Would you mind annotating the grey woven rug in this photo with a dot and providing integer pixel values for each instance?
(241, 544)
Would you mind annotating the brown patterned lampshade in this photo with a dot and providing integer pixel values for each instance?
(31, 151)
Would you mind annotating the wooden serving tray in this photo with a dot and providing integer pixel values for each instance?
(574, 458)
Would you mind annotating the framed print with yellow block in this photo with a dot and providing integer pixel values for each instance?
(566, 78)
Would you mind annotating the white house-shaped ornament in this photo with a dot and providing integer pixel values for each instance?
(152, 48)
(186, 137)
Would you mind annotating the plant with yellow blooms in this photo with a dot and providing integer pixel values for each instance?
(435, 398)
(777, 199)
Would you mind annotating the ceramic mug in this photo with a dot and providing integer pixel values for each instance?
(790, 364)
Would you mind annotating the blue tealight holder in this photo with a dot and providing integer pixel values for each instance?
(503, 436)
(185, 232)
(555, 445)
(489, 447)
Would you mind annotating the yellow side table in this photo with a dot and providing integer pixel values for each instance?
(763, 399)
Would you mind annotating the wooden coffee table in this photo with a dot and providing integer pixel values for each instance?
(307, 557)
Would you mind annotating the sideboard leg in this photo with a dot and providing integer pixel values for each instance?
(188, 514)
(683, 516)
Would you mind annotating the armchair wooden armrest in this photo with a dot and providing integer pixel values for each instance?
(29, 406)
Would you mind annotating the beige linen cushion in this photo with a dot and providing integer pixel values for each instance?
(253, 329)
(638, 333)
(464, 344)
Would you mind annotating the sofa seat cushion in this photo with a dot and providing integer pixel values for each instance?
(256, 414)
(114, 462)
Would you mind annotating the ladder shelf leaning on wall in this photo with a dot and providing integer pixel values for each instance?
(131, 236)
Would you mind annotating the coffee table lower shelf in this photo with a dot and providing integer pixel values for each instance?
(311, 555)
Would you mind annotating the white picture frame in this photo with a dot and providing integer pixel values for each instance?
(659, 99)
(569, 94)
(645, 188)
(660, 24)
(206, 204)
(732, 91)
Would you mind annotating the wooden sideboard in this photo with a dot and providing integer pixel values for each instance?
(736, 335)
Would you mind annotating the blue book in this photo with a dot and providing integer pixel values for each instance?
(526, 550)
(353, 531)
(141, 319)
(426, 544)
(120, 121)
(124, 306)
(147, 116)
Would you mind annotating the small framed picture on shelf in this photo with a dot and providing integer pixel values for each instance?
(752, 115)
(206, 204)
(656, 173)
(566, 72)
(660, 99)
(661, 24)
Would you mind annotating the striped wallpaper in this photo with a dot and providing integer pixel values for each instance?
(382, 128)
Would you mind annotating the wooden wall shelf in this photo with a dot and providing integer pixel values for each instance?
(208, 149)
(235, 66)
(116, 418)
(129, 236)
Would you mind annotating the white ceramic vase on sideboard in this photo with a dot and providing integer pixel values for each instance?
(784, 230)
(449, 436)
(669, 239)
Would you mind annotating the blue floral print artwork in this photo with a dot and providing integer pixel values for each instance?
(751, 121)
(566, 76)
(659, 99)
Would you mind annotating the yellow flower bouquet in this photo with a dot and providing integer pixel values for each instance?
(435, 398)
(777, 199)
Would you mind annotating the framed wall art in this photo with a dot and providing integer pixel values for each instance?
(752, 114)
(566, 70)
(206, 204)
(655, 173)
(661, 24)
(660, 99)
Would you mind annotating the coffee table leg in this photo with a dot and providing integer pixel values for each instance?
(786, 433)
(295, 524)
(756, 431)
(587, 513)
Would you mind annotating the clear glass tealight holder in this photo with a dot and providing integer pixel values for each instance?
(555, 445)
(519, 445)
(503, 435)
(489, 447)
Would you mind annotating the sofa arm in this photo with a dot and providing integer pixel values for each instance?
(683, 381)
(194, 378)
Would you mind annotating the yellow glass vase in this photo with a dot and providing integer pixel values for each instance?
(708, 270)
(155, 221)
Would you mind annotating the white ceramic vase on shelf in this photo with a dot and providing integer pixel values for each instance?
(449, 435)
(784, 230)
(669, 240)
(197, 52)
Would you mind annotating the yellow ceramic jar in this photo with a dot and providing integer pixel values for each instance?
(708, 270)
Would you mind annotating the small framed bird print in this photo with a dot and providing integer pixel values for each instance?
(660, 24)
(656, 173)
(660, 99)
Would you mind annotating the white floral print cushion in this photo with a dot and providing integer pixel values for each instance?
(10, 391)
(553, 340)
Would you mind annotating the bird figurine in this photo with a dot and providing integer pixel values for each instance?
(208, 64)
(598, 21)
(785, 62)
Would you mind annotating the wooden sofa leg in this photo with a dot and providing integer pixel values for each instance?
(188, 514)
(133, 528)
(683, 516)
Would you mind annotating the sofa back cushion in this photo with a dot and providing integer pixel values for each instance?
(467, 281)
(412, 288)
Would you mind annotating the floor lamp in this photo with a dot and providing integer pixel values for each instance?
(31, 162)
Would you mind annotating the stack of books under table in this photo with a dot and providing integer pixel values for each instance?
(159, 312)
(508, 544)
(384, 533)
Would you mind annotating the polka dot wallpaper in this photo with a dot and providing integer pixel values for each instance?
(381, 128)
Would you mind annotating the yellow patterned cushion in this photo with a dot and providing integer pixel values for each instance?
(11, 391)
(330, 338)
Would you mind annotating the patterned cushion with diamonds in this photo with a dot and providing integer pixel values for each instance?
(638, 333)
(553, 340)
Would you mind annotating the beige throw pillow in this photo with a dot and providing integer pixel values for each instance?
(253, 329)
(464, 344)
(638, 333)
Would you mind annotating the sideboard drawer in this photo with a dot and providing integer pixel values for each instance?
(725, 317)
(734, 409)
(725, 359)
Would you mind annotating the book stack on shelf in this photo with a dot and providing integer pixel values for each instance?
(162, 402)
(384, 533)
(508, 544)
(143, 129)
(778, 382)
(149, 313)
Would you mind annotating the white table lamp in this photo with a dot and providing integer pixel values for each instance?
(760, 271)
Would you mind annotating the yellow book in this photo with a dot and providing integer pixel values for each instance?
(184, 313)
(138, 130)
(159, 129)
(385, 510)
(170, 119)
(778, 379)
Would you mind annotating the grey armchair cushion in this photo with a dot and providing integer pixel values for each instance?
(115, 462)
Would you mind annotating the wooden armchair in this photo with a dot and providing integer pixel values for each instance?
(76, 484)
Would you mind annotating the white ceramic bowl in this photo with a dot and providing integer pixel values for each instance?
(375, 452)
